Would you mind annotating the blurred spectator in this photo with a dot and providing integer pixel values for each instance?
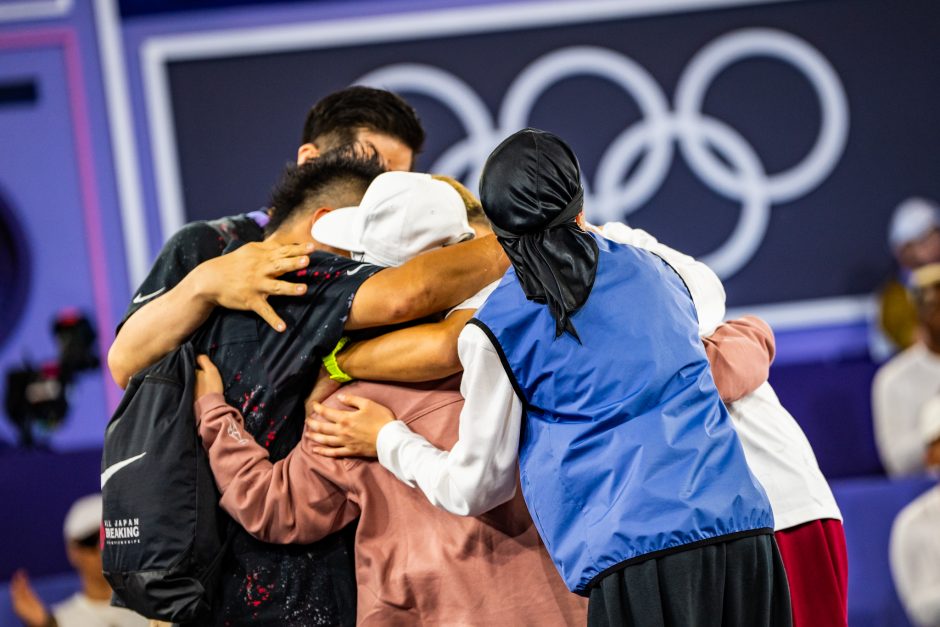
(915, 538)
(914, 237)
(90, 607)
(904, 384)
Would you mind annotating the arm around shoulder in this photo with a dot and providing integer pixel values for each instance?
(425, 352)
(284, 502)
(241, 280)
(429, 283)
(740, 352)
(169, 304)
(479, 472)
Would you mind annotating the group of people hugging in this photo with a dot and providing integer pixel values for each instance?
(427, 407)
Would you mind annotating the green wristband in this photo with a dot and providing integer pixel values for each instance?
(329, 362)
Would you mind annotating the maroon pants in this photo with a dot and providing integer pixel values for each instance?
(817, 570)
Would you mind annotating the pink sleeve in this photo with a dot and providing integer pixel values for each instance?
(285, 502)
(740, 353)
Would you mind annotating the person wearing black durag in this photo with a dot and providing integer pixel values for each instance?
(585, 364)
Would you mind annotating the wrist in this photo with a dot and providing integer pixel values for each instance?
(201, 284)
(332, 365)
(387, 440)
(206, 403)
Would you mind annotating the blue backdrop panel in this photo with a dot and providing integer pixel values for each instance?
(37, 490)
(760, 116)
(869, 507)
(39, 182)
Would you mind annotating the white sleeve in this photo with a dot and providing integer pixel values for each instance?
(706, 289)
(476, 301)
(479, 472)
(896, 435)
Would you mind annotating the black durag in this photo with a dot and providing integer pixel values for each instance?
(531, 192)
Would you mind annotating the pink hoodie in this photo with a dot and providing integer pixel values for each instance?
(416, 564)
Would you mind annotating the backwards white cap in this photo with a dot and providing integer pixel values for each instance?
(912, 219)
(84, 518)
(401, 215)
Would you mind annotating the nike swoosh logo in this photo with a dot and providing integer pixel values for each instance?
(113, 468)
(355, 270)
(143, 298)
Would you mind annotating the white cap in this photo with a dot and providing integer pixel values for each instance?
(912, 219)
(401, 215)
(84, 518)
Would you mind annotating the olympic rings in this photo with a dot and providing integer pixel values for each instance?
(649, 144)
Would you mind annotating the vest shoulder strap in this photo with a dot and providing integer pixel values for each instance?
(507, 368)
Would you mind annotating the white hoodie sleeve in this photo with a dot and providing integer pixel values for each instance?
(479, 472)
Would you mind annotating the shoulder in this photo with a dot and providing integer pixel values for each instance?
(196, 238)
(329, 267)
(623, 234)
(219, 232)
(191, 245)
(408, 400)
(897, 368)
(66, 610)
(506, 294)
(244, 227)
(476, 337)
(195, 231)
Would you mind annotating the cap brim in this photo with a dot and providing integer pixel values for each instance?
(341, 228)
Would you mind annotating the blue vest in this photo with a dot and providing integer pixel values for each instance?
(627, 450)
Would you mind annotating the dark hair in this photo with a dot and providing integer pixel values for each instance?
(335, 120)
(336, 178)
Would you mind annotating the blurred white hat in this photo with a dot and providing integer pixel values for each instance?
(84, 518)
(912, 219)
(401, 215)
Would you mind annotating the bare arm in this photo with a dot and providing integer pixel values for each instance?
(740, 353)
(429, 283)
(242, 280)
(424, 352)
(477, 474)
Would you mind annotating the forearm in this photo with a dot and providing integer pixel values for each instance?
(285, 502)
(425, 352)
(740, 353)
(429, 283)
(157, 328)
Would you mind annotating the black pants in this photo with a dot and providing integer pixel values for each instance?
(738, 583)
